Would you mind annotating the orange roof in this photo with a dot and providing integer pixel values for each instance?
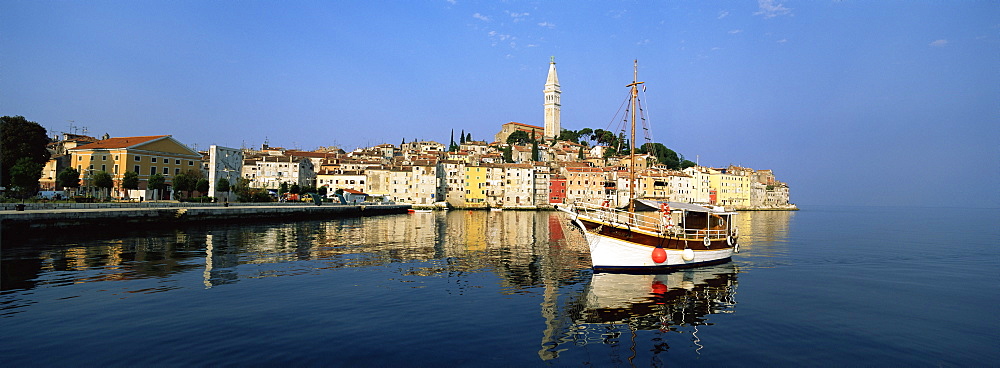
(522, 124)
(119, 142)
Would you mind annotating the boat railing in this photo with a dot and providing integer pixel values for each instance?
(648, 220)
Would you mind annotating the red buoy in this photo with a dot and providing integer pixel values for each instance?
(659, 255)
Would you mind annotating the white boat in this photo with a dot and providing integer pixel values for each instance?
(649, 236)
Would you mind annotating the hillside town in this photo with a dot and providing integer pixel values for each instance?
(521, 173)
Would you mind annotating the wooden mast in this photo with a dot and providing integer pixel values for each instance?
(631, 172)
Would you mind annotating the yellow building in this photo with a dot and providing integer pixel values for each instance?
(732, 188)
(158, 154)
(475, 185)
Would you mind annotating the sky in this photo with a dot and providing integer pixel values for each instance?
(876, 103)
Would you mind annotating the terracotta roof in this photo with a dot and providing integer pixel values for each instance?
(522, 124)
(119, 142)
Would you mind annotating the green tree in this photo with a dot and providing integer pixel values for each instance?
(24, 177)
(202, 186)
(294, 189)
(130, 181)
(518, 137)
(103, 181)
(322, 190)
(184, 182)
(68, 178)
(508, 154)
(579, 155)
(157, 183)
(461, 137)
(222, 186)
(468, 137)
(534, 151)
(20, 138)
(569, 135)
(283, 188)
(585, 134)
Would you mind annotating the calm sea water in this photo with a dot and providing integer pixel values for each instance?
(825, 286)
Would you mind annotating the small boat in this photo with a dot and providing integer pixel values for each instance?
(423, 211)
(496, 209)
(651, 236)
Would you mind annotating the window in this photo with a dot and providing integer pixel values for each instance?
(177, 161)
(138, 158)
(116, 169)
(177, 171)
(166, 171)
(152, 160)
(104, 167)
(104, 158)
(152, 170)
(136, 169)
(190, 163)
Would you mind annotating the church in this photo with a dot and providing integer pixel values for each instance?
(552, 105)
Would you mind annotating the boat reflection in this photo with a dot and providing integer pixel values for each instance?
(614, 304)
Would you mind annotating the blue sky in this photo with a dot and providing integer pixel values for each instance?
(851, 102)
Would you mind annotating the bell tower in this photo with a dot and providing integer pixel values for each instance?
(552, 104)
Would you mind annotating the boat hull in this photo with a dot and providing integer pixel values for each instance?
(615, 249)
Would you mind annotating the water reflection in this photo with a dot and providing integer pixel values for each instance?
(763, 235)
(532, 254)
(518, 245)
(613, 307)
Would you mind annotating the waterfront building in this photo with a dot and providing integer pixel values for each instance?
(453, 182)
(415, 184)
(700, 183)
(475, 186)
(519, 186)
(270, 171)
(557, 189)
(342, 179)
(542, 174)
(494, 188)
(223, 163)
(731, 185)
(146, 155)
(553, 104)
(584, 184)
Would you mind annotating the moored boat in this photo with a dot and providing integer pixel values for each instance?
(648, 236)
(655, 235)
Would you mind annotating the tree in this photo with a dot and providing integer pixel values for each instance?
(222, 185)
(468, 137)
(20, 138)
(157, 183)
(569, 135)
(534, 151)
(508, 154)
(580, 155)
(68, 178)
(518, 137)
(283, 188)
(585, 133)
(322, 190)
(202, 186)
(103, 181)
(452, 147)
(184, 182)
(130, 181)
(461, 137)
(294, 189)
(24, 177)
